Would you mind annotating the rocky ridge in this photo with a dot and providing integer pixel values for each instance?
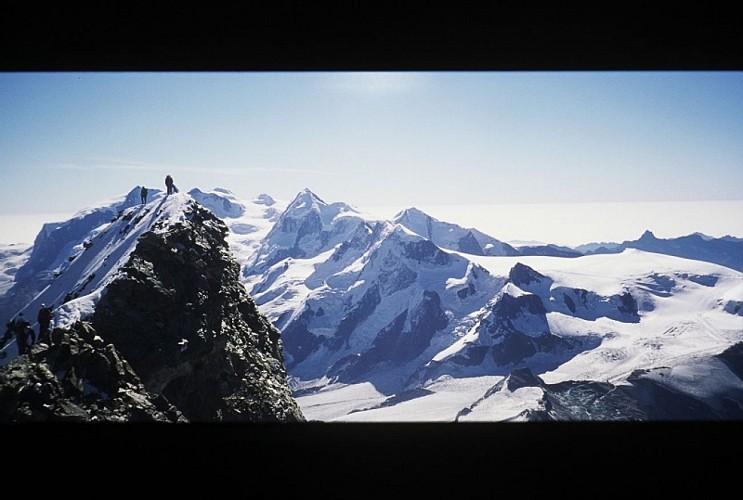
(174, 336)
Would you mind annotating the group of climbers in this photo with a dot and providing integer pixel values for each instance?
(169, 186)
(20, 329)
(24, 334)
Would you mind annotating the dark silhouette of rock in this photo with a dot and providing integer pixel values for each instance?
(180, 315)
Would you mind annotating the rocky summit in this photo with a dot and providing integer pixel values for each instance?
(173, 337)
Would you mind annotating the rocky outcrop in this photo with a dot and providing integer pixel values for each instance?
(180, 315)
(78, 378)
(174, 337)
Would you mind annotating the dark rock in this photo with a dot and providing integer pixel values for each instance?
(426, 251)
(628, 304)
(521, 274)
(733, 358)
(73, 380)
(569, 302)
(469, 244)
(179, 314)
(396, 276)
(549, 250)
(663, 403)
(174, 338)
(522, 377)
(469, 290)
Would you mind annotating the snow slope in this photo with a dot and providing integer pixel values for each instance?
(78, 281)
(12, 258)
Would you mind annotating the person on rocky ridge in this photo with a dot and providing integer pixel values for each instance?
(143, 194)
(22, 330)
(45, 319)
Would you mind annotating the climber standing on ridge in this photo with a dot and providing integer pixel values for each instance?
(143, 194)
(169, 184)
(45, 320)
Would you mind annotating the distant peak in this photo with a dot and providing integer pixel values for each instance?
(648, 235)
(220, 201)
(306, 196)
(216, 191)
(703, 236)
(309, 192)
(411, 212)
(264, 199)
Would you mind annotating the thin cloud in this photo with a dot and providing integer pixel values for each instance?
(229, 171)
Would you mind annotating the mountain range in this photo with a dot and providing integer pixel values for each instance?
(725, 251)
(410, 319)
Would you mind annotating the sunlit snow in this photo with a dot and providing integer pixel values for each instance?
(688, 309)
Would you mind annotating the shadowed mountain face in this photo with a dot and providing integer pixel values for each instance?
(191, 343)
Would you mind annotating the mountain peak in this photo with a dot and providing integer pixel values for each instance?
(648, 235)
(412, 214)
(411, 211)
(705, 237)
(306, 199)
(220, 201)
(264, 199)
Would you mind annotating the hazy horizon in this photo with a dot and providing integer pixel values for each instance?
(568, 224)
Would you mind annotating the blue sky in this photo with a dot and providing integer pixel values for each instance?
(69, 140)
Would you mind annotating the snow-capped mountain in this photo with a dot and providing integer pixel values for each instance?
(12, 257)
(641, 323)
(451, 236)
(418, 319)
(371, 302)
(248, 222)
(350, 292)
(60, 246)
